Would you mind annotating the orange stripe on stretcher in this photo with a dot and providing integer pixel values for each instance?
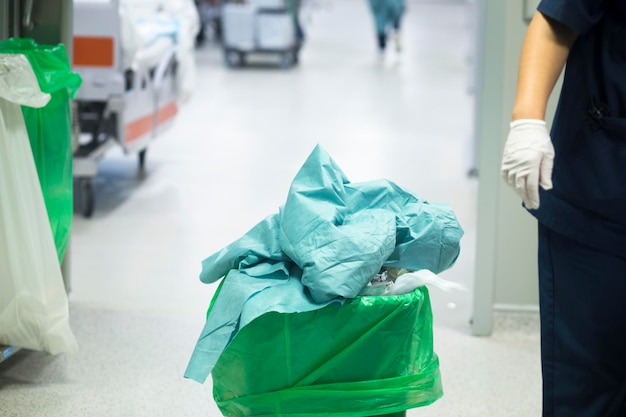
(167, 112)
(144, 125)
(93, 51)
(136, 129)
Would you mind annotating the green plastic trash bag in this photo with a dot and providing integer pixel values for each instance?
(50, 130)
(50, 64)
(244, 295)
(369, 356)
(329, 239)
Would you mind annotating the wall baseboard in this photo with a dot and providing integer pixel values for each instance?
(516, 308)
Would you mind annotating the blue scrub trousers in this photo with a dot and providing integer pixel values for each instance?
(582, 294)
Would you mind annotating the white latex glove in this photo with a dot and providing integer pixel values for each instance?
(527, 160)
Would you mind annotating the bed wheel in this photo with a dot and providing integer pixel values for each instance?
(86, 196)
(287, 59)
(142, 159)
(234, 59)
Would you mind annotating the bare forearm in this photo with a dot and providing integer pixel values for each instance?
(544, 52)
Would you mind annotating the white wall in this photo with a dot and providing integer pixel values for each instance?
(506, 274)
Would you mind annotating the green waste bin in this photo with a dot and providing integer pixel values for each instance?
(50, 130)
(372, 356)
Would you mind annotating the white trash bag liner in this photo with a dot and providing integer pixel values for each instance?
(34, 312)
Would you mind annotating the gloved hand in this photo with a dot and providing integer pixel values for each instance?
(527, 160)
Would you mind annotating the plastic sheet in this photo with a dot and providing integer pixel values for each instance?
(370, 356)
(33, 303)
(341, 233)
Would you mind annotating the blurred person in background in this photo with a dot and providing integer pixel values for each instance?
(294, 7)
(387, 18)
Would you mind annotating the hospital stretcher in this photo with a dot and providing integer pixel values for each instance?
(128, 95)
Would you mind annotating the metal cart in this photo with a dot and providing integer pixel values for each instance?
(261, 27)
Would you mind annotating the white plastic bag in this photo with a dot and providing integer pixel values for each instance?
(18, 83)
(34, 311)
(408, 281)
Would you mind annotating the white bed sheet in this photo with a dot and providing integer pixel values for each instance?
(150, 28)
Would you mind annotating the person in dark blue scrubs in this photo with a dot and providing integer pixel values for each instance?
(573, 180)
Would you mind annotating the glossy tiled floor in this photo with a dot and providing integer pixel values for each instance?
(136, 303)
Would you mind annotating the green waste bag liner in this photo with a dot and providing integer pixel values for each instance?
(326, 243)
(50, 64)
(50, 130)
(264, 280)
(371, 355)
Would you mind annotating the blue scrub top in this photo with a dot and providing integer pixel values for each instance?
(588, 201)
(387, 13)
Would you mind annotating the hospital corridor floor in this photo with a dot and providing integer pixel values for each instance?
(137, 306)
